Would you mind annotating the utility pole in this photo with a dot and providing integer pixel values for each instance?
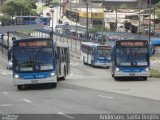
(116, 18)
(154, 18)
(60, 8)
(52, 11)
(87, 21)
(76, 18)
(150, 23)
(103, 39)
(139, 20)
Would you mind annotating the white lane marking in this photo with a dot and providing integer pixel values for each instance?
(27, 100)
(5, 93)
(5, 105)
(91, 77)
(74, 64)
(67, 89)
(105, 96)
(68, 116)
(2, 70)
(4, 73)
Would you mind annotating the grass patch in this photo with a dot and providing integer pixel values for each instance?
(152, 58)
(155, 73)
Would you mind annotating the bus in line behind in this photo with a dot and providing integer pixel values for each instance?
(131, 59)
(96, 54)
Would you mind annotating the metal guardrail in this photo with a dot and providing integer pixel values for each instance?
(3, 48)
(73, 42)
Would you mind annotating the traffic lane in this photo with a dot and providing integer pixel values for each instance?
(69, 99)
(3, 61)
(99, 78)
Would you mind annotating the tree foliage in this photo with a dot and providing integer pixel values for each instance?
(158, 5)
(98, 28)
(18, 7)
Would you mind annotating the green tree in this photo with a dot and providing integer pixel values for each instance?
(18, 7)
(97, 28)
(157, 5)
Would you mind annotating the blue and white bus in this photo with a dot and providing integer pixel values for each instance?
(130, 58)
(39, 61)
(31, 20)
(96, 54)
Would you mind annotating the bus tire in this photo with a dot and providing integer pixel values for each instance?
(54, 85)
(64, 73)
(116, 78)
(84, 60)
(19, 87)
(144, 78)
(92, 64)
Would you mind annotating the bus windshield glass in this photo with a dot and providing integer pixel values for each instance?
(104, 52)
(33, 59)
(132, 56)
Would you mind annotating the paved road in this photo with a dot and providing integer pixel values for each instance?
(86, 90)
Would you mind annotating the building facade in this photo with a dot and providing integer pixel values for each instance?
(111, 4)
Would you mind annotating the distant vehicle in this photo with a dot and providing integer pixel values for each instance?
(31, 20)
(96, 54)
(39, 61)
(10, 64)
(66, 23)
(111, 39)
(131, 59)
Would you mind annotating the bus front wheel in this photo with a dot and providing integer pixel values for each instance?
(19, 87)
(116, 78)
(54, 85)
(144, 78)
(84, 61)
(92, 64)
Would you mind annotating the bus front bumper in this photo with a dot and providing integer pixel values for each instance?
(132, 74)
(19, 81)
(102, 64)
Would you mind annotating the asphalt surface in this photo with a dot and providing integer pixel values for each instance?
(73, 97)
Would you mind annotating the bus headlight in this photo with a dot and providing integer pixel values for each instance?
(117, 69)
(52, 74)
(16, 76)
(147, 69)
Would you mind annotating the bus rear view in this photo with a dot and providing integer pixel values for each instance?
(130, 58)
(34, 62)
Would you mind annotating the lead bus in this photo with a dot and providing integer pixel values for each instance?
(39, 61)
(131, 59)
(96, 54)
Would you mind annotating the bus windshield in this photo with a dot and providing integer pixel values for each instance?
(33, 59)
(136, 56)
(104, 53)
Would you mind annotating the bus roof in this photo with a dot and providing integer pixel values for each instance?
(93, 44)
(32, 16)
(31, 38)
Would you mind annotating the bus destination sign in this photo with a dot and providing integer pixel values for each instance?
(132, 43)
(33, 44)
(104, 48)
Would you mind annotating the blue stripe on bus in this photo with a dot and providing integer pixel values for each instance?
(129, 69)
(29, 76)
(103, 60)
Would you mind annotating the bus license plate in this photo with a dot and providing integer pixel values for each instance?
(131, 74)
(34, 81)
